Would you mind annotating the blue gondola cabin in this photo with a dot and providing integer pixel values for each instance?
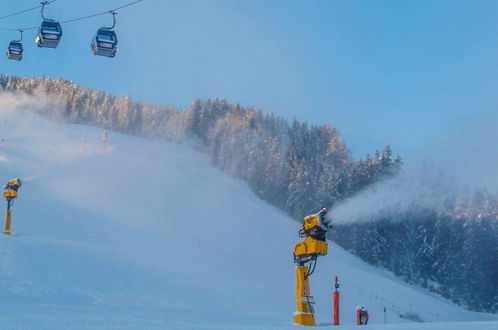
(49, 34)
(105, 43)
(15, 51)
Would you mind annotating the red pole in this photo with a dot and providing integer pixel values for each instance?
(336, 302)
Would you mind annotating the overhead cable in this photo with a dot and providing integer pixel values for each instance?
(25, 10)
(75, 19)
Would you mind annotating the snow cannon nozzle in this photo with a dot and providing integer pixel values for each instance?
(325, 221)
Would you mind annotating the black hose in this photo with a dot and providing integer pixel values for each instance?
(311, 269)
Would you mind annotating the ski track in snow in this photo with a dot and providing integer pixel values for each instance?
(148, 235)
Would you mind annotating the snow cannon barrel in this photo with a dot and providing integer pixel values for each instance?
(316, 224)
(325, 219)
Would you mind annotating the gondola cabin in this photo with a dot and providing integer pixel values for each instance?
(105, 43)
(15, 51)
(49, 34)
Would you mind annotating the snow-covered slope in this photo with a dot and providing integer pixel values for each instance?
(148, 235)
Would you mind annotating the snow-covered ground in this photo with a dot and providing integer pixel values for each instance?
(148, 235)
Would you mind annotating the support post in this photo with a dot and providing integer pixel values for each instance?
(336, 301)
(8, 218)
(304, 301)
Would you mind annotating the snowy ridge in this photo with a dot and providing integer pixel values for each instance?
(149, 236)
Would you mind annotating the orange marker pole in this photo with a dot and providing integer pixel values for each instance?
(336, 302)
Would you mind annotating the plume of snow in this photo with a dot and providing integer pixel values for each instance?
(394, 196)
(464, 159)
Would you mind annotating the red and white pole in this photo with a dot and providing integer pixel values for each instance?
(336, 302)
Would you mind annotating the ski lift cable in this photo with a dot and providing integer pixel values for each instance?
(101, 13)
(78, 18)
(25, 10)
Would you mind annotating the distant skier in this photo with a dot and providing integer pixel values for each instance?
(85, 142)
(361, 315)
(104, 141)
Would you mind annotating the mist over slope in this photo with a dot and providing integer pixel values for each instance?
(148, 235)
(411, 223)
(294, 166)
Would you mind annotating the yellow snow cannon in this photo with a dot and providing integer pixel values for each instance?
(314, 229)
(10, 193)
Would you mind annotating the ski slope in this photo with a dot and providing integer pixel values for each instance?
(148, 235)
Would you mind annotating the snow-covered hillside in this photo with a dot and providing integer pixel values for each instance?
(147, 235)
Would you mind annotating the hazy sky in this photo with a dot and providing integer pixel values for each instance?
(403, 72)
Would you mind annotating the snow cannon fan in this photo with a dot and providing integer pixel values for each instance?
(314, 245)
(10, 193)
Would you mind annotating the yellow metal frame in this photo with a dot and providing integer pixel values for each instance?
(10, 193)
(311, 246)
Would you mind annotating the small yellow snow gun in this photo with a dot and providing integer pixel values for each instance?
(10, 193)
(314, 228)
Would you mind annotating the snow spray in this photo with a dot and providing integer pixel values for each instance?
(394, 196)
(30, 178)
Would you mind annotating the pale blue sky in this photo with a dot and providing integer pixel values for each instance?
(403, 72)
